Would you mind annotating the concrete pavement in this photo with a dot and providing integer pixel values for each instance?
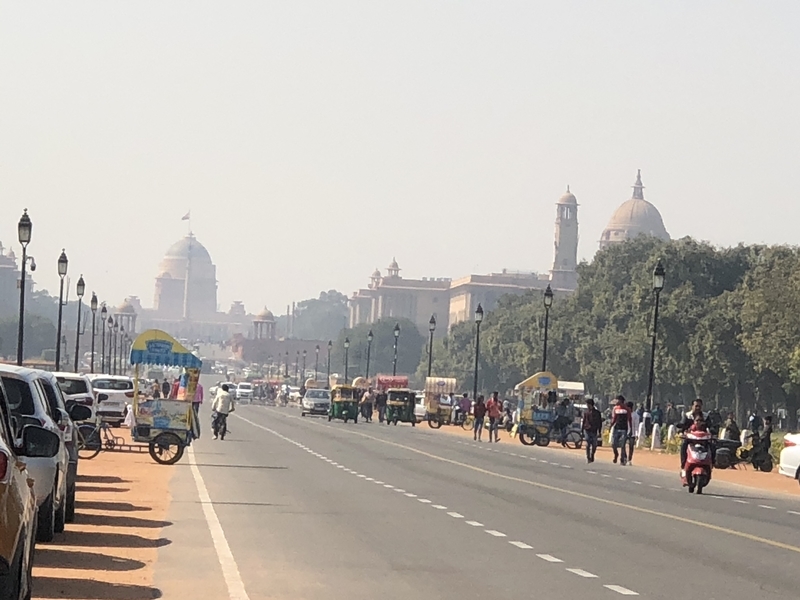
(311, 509)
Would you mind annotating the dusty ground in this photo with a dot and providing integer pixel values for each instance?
(110, 550)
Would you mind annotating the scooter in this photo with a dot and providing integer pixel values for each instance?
(697, 470)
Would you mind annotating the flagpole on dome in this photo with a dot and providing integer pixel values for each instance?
(186, 280)
(188, 217)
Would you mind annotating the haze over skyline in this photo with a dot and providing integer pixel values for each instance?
(314, 141)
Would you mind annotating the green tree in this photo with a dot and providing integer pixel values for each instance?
(321, 318)
(409, 348)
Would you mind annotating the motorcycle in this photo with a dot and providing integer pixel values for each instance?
(697, 470)
(729, 454)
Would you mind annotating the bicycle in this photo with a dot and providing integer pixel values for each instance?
(94, 438)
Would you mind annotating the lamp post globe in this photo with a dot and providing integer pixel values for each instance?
(63, 263)
(24, 229)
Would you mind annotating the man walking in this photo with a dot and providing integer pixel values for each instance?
(592, 426)
(621, 423)
(165, 388)
(479, 412)
(380, 405)
(494, 409)
(223, 405)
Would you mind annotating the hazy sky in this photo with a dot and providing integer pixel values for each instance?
(313, 141)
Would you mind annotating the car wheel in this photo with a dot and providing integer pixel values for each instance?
(46, 523)
(302, 414)
(61, 516)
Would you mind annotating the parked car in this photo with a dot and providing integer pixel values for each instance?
(17, 498)
(28, 403)
(419, 407)
(244, 392)
(78, 388)
(316, 402)
(114, 393)
(790, 456)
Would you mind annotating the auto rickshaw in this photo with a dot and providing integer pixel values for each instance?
(400, 406)
(344, 403)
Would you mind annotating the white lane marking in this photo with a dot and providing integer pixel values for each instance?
(400, 490)
(621, 479)
(621, 590)
(474, 523)
(439, 507)
(638, 482)
(741, 502)
(230, 570)
(767, 507)
(410, 495)
(423, 500)
(604, 475)
(456, 515)
(370, 479)
(582, 573)
(653, 485)
(549, 558)
(793, 512)
(387, 485)
(495, 533)
(521, 545)
(362, 476)
(592, 472)
(379, 482)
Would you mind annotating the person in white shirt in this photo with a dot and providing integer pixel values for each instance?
(222, 406)
(635, 420)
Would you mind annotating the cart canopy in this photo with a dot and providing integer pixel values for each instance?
(156, 347)
(543, 380)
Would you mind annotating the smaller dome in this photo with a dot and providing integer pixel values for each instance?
(165, 275)
(266, 315)
(376, 274)
(568, 198)
(394, 266)
(126, 308)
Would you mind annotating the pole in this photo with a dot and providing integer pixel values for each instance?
(58, 327)
(78, 333)
(328, 382)
(103, 346)
(546, 326)
(477, 354)
(394, 360)
(304, 365)
(316, 363)
(94, 332)
(430, 356)
(346, 364)
(649, 403)
(369, 350)
(296, 365)
(113, 338)
(21, 325)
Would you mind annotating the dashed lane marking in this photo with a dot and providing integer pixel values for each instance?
(549, 558)
(621, 590)
(495, 533)
(521, 545)
(423, 500)
(766, 506)
(439, 507)
(474, 523)
(582, 573)
(456, 515)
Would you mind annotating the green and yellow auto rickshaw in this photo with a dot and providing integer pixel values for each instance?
(344, 403)
(400, 406)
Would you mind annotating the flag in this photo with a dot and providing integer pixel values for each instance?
(187, 216)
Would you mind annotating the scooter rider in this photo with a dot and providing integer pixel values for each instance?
(685, 425)
(223, 405)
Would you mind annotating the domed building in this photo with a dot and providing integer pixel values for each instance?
(633, 218)
(187, 283)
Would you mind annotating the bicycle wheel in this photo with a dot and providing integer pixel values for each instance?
(574, 440)
(88, 441)
(468, 423)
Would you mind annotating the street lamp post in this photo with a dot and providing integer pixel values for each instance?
(103, 317)
(431, 328)
(81, 290)
(548, 302)
(296, 365)
(286, 366)
(24, 228)
(114, 351)
(62, 272)
(93, 305)
(478, 319)
(110, 360)
(316, 362)
(346, 358)
(328, 382)
(659, 275)
(396, 336)
(370, 337)
(304, 365)
(121, 349)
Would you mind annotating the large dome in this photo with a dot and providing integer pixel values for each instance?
(633, 218)
(181, 249)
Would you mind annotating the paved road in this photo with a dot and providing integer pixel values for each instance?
(303, 508)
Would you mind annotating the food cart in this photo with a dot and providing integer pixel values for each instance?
(437, 411)
(167, 426)
(535, 414)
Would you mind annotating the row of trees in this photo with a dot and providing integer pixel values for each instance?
(729, 329)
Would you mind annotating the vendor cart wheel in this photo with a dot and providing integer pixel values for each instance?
(526, 438)
(574, 441)
(543, 440)
(345, 418)
(355, 419)
(414, 422)
(434, 423)
(166, 449)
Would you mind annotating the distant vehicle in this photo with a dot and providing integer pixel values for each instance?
(294, 393)
(419, 407)
(244, 391)
(790, 456)
(78, 388)
(316, 402)
(114, 393)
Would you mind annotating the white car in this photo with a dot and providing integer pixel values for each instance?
(316, 402)
(244, 391)
(78, 388)
(420, 412)
(790, 456)
(114, 393)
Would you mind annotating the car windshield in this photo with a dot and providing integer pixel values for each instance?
(318, 394)
(112, 384)
(19, 395)
(72, 386)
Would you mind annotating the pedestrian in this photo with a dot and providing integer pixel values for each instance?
(658, 415)
(165, 388)
(634, 432)
(592, 426)
(380, 405)
(222, 406)
(673, 417)
(732, 431)
(479, 412)
(196, 402)
(366, 405)
(494, 408)
(688, 421)
(156, 390)
(620, 428)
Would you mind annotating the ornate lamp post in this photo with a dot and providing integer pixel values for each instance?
(81, 287)
(93, 306)
(659, 275)
(328, 382)
(304, 365)
(286, 365)
(431, 328)
(478, 319)
(296, 366)
(370, 337)
(346, 358)
(114, 351)
(548, 302)
(103, 317)
(62, 272)
(24, 229)
(316, 362)
(119, 348)
(396, 336)
(110, 364)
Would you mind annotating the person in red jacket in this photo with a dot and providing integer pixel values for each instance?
(621, 426)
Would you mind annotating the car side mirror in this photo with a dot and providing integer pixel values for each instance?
(58, 416)
(16, 426)
(78, 412)
(38, 442)
(101, 397)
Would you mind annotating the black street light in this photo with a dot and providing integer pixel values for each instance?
(659, 275)
(478, 319)
(114, 351)
(396, 336)
(316, 363)
(296, 366)
(103, 317)
(286, 366)
(24, 229)
(81, 287)
(370, 337)
(548, 302)
(304, 365)
(93, 306)
(328, 382)
(110, 360)
(62, 272)
(346, 359)
(120, 351)
(431, 328)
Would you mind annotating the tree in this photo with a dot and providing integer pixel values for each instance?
(40, 335)
(409, 348)
(321, 318)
